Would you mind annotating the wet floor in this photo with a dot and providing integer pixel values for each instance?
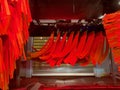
(65, 81)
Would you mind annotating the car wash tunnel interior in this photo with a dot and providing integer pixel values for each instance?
(59, 44)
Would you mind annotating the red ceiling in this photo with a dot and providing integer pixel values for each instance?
(68, 9)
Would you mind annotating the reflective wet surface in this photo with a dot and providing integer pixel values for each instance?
(66, 81)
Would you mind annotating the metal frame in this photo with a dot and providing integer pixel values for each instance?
(63, 74)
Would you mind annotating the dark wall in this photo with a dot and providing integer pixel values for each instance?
(67, 9)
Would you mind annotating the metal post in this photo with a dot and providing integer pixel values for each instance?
(29, 69)
(113, 68)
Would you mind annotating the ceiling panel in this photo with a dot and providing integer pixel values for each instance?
(71, 9)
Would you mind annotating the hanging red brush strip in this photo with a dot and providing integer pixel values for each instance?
(72, 57)
(97, 54)
(13, 32)
(104, 51)
(26, 17)
(5, 17)
(1, 65)
(81, 43)
(67, 47)
(100, 50)
(46, 57)
(60, 47)
(58, 50)
(87, 48)
(49, 58)
(4, 81)
(45, 48)
(15, 28)
(66, 50)
(74, 52)
(29, 17)
(87, 45)
(95, 47)
(6, 59)
(12, 60)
